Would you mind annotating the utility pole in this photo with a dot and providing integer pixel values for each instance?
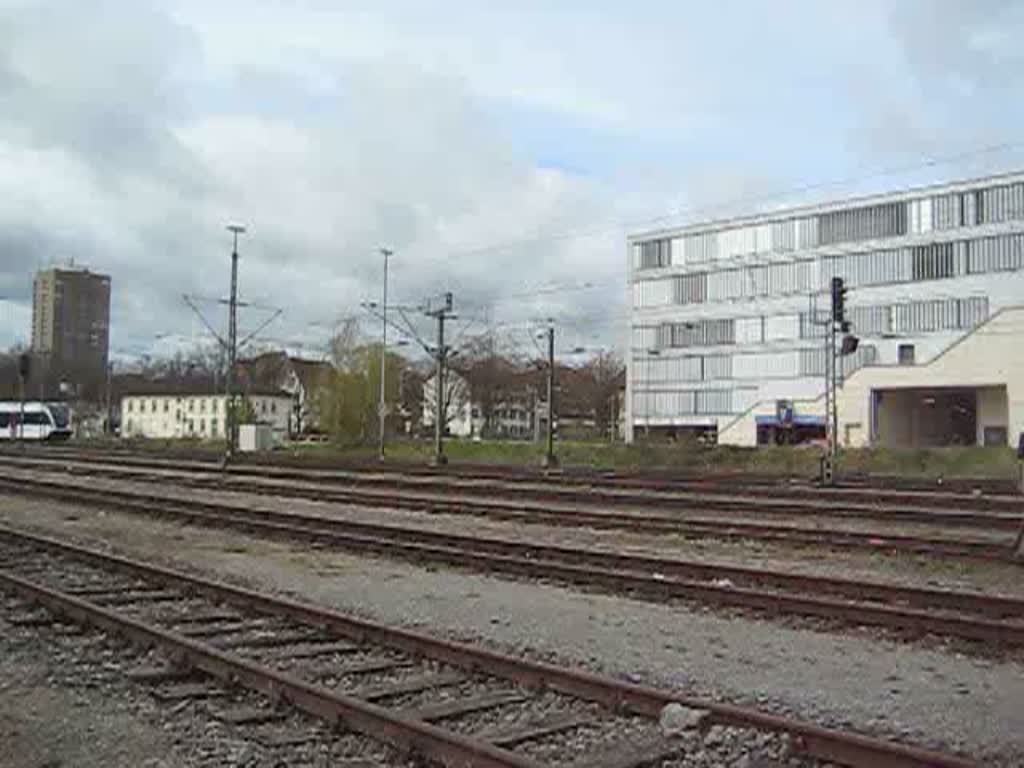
(834, 325)
(231, 417)
(382, 407)
(110, 367)
(828, 328)
(550, 460)
(830, 395)
(24, 368)
(441, 314)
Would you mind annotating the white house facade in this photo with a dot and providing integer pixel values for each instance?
(202, 415)
(724, 316)
(464, 418)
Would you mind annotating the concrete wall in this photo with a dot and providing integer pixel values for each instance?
(992, 412)
(989, 358)
(896, 419)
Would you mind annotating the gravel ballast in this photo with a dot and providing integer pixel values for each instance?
(928, 696)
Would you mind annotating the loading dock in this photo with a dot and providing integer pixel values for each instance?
(927, 417)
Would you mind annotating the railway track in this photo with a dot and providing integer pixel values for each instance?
(449, 704)
(979, 492)
(996, 543)
(997, 621)
(711, 494)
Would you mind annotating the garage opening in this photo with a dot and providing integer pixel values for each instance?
(939, 416)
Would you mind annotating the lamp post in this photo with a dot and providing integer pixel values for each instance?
(382, 406)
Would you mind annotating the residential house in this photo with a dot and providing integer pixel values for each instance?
(511, 409)
(302, 379)
(170, 412)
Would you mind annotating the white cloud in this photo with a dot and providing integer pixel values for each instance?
(130, 135)
(388, 155)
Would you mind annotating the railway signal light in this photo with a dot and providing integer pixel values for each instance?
(24, 365)
(838, 299)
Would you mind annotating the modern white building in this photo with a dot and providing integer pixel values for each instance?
(723, 320)
(198, 415)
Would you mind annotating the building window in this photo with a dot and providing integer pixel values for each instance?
(213, 427)
(191, 426)
(191, 406)
(812, 362)
(202, 425)
(869, 223)
(167, 406)
(994, 436)
(870, 321)
(131, 406)
(935, 261)
(994, 254)
(202, 406)
(713, 401)
(1000, 203)
(691, 289)
(700, 247)
(906, 354)
(655, 253)
(273, 406)
(704, 333)
(263, 406)
(152, 406)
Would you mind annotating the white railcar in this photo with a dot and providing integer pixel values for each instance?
(34, 421)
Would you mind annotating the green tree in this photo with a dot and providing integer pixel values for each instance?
(348, 402)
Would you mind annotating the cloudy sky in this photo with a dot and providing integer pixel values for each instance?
(502, 150)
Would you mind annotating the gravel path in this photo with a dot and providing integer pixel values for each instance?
(931, 697)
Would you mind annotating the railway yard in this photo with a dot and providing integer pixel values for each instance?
(173, 613)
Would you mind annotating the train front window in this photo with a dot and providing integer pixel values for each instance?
(61, 416)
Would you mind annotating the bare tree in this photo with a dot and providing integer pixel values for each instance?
(602, 378)
(590, 392)
(493, 378)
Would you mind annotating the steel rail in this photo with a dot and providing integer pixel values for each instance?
(407, 734)
(846, 748)
(658, 578)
